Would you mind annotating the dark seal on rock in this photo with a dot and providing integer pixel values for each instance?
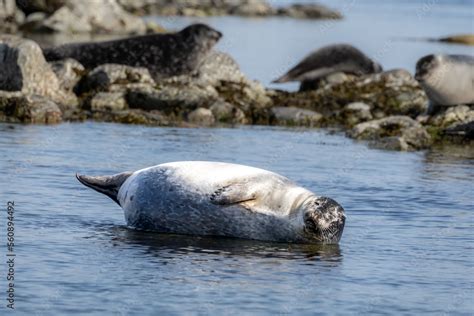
(328, 60)
(165, 55)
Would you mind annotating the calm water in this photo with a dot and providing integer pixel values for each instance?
(407, 246)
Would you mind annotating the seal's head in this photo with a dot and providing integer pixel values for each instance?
(202, 34)
(324, 220)
(376, 67)
(425, 67)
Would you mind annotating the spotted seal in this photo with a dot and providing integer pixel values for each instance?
(329, 60)
(221, 199)
(164, 55)
(447, 79)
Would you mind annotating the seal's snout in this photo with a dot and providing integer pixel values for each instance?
(325, 220)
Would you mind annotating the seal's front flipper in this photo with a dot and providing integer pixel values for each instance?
(108, 185)
(233, 194)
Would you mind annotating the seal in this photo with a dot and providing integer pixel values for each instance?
(221, 199)
(328, 60)
(164, 55)
(447, 79)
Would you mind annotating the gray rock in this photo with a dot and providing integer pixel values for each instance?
(227, 113)
(10, 16)
(105, 16)
(25, 69)
(393, 132)
(201, 117)
(108, 101)
(309, 11)
(295, 116)
(453, 115)
(28, 108)
(113, 77)
(356, 112)
(69, 72)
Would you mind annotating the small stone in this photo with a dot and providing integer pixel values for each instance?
(202, 117)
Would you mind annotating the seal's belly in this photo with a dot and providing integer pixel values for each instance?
(162, 202)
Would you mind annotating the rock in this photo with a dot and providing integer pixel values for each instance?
(28, 108)
(227, 113)
(25, 69)
(309, 11)
(453, 115)
(464, 130)
(69, 71)
(113, 77)
(253, 8)
(10, 16)
(46, 6)
(295, 116)
(393, 132)
(334, 78)
(105, 16)
(389, 93)
(132, 116)
(466, 39)
(217, 67)
(356, 112)
(108, 101)
(201, 117)
(171, 99)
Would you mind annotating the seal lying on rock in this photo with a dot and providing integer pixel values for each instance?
(447, 79)
(328, 60)
(221, 199)
(164, 55)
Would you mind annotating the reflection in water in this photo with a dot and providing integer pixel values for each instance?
(180, 245)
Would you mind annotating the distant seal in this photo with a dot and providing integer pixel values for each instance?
(447, 79)
(329, 60)
(221, 199)
(164, 55)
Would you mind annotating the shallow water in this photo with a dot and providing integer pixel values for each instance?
(406, 248)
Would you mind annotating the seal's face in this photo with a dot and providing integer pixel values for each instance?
(324, 220)
(376, 67)
(203, 34)
(424, 67)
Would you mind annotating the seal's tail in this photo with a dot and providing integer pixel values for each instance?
(108, 185)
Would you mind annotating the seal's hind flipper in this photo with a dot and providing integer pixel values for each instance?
(108, 185)
(232, 194)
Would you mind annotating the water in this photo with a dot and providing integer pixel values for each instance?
(407, 246)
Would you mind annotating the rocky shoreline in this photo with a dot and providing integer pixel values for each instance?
(387, 109)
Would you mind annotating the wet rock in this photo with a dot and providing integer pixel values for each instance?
(108, 101)
(464, 130)
(113, 77)
(25, 69)
(105, 16)
(10, 16)
(227, 113)
(309, 11)
(453, 115)
(356, 112)
(295, 116)
(389, 93)
(393, 132)
(171, 99)
(28, 108)
(202, 117)
(132, 116)
(69, 71)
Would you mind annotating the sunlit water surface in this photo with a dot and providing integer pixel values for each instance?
(407, 246)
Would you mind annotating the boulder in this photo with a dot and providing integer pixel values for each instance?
(356, 112)
(201, 117)
(25, 69)
(108, 101)
(227, 113)
(10, 16)
(28, 108)
(69, 71)
(105, 16)
(452, 116)
(393, 132)
(295, 116)
(113, 77)
(309, 11)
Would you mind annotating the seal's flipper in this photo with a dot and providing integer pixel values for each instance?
(232, 194)
(108, 185)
